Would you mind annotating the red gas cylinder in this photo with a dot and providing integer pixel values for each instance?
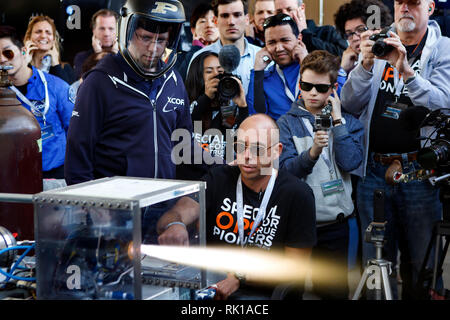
(20, 160)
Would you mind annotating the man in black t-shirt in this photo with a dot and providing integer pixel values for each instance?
(415, 74)
(235, 200)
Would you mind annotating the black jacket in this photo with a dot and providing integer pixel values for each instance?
(323, 38)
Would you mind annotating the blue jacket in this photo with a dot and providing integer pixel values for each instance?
(122, 124)
(346, 155)
(57, 117)
(277, 102)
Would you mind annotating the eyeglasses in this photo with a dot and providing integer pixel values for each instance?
(8, 54)
(276, 20)
(255, 149)
(322, 88)
(360, 29)
(146, 40)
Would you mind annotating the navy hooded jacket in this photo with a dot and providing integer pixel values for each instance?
(122, 124)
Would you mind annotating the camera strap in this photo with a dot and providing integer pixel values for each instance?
(286, 87)
(261, 211)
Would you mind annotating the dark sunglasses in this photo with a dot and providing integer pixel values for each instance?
(8, 54)
(255, 149)
(360, 29)
(322, 88)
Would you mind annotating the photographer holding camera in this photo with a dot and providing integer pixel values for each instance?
(323, 146)
(411, 68)
(202, 86)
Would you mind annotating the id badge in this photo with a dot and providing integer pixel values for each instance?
(392, 110)
(47, 132)
(332, 187)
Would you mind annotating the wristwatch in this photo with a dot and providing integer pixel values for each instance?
(336, 122)
(241, 277)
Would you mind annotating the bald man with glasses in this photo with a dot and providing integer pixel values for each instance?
(279, 209)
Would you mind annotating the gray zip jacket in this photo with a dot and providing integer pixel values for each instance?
(430, 88)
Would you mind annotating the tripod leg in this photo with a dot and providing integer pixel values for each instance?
(443, 253)
(423, 269)
(436, 257)
(386, 284)
(361, 284)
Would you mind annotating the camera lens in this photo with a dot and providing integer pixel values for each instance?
(228, 88)
(434, 156)
(379, 48)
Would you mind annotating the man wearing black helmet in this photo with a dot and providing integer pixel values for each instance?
(128, 105)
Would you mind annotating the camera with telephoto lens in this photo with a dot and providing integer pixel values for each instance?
(437, 155)
(323, 121)
(381, 48)
(227, 89)
(228, 86)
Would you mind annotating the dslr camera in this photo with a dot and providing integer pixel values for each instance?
(228, 87)
(323, 120)
(380, 48)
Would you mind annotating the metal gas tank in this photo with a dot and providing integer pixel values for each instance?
(20, 161)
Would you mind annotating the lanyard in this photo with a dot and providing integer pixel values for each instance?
(324, 155)
(262, 208)
(28, 102)
(286, 87)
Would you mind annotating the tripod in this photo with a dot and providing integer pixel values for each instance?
(441, 229)
(376, 273)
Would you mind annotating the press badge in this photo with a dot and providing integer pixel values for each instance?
(332, 187)
(47, 132)
(393, 110)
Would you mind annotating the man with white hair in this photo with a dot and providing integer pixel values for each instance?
(415, 73)
(314, 37)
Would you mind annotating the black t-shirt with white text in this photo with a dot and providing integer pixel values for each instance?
(388, 134)
(290, 214)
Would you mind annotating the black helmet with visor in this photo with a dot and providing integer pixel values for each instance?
(149, 32)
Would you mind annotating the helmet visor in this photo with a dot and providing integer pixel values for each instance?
(151, 45)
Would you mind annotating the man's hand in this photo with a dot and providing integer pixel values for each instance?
(260, 61)
(115, 47)
(336, 103)
(299, 52)
(300, 19)
(174, 235)
(96, 44)
(226, 287)
(320, 142)
(349, 58)
(366, 45)
(398, 56)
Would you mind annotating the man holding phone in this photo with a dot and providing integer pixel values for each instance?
(104, 37)
(274, 90)
(321, 147)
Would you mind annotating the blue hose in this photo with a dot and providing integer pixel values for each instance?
(10, 275)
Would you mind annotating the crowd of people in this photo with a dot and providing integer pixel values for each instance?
(283, 180)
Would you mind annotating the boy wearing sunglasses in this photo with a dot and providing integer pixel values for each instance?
(324, 159)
